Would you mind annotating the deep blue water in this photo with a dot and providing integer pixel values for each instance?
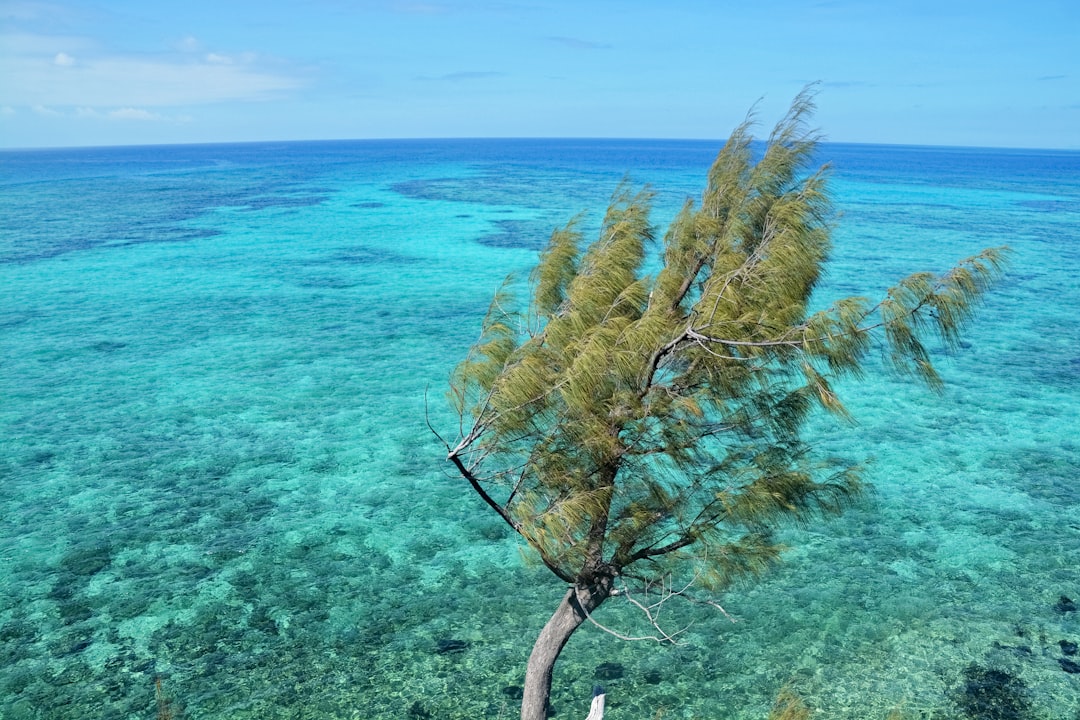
(215, 468)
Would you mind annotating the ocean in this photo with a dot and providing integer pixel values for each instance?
(217, 367)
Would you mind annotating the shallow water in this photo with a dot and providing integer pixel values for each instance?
(217, 362)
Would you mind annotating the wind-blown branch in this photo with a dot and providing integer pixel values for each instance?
(633, 426)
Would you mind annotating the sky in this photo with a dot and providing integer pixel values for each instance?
(992, 73)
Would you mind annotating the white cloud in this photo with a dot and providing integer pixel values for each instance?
(42, 71)
(7, 110)
(85, 112)
(133, 114)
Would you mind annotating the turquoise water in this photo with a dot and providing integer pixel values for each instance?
(215, 468)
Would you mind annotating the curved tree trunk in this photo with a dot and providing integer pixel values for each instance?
(569, 615)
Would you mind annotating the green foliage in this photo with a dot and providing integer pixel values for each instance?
(634, 425)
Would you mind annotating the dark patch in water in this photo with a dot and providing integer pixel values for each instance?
(507, 186)
(15, 318)
(609, 671)
(1019, 650)
(417, 711)
(1057, 371)
(1055, 206)
(72, 612)
(224, 554)
(490, 189)
(1045, 473)
(18, 633)
(368, 205)
(42, 457)
(516, 234)
(87, 561)
(108, 346)
(46, 253)
(185, 234)
(327, 283)
(432, 189)
(170, 235)
(62, 590)
(160, 210)
(371, 256)
(450, 646)
(250, 508)
(262, 621)
(362, 256)
(989, 694)
(282, 201)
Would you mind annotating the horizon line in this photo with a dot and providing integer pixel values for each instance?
(523, 138)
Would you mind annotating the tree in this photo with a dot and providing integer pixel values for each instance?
(645, 430)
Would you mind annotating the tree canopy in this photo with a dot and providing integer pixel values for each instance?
(641, 414)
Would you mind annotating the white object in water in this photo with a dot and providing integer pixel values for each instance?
(596, 711)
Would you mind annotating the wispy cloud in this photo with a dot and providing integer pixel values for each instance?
(578, 43)
(55, 72)
(134, 114)
(1052, 77)
(125, 114)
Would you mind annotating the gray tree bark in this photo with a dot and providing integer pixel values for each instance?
(552, 639)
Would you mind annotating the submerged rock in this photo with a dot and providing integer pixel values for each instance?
(608, 671)
(514, 692)
(447, 646)
(1067, 647)
(989, 694)
(1065, 605)
(417, 711)
(87, 561)
(1021, 650)
(1069, 666)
